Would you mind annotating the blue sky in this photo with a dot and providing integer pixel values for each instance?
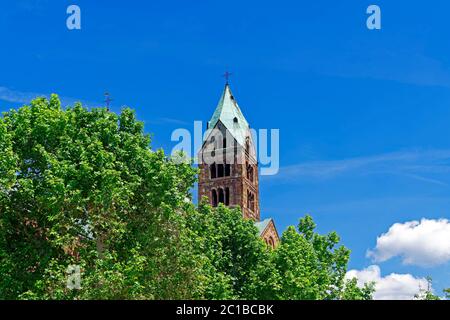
(363, 115)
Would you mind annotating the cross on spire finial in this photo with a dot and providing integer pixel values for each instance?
(227, 75)
(107, 100)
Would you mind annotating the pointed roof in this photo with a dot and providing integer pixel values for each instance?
(229, 113)
(262, 225)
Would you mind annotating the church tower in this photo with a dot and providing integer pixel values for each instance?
(228, 165)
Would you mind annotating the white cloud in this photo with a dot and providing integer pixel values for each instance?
(425, 243)
(391, 287)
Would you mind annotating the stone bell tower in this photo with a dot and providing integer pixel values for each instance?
(229, 168)
(228, 165)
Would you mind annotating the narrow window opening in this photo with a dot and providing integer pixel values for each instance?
(214, 198)
(250, 201)
(227, 196)
(271, 242)
(249, 172)
(220, 171)
(227, 170)
(213, 171)
(221, 196)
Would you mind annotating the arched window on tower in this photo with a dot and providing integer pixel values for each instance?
(213, 171)
(246, 169)
(247, 145)
(227, 170)
(250, 201)
(221, 196)
(214, 198)
(227, 196)
(220, 170)
(249, 170)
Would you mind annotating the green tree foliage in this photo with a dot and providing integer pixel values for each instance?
(352, 291)
(311, 267)
(239, 263)
(83, 187)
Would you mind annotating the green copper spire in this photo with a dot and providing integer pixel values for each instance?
(229, 113)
